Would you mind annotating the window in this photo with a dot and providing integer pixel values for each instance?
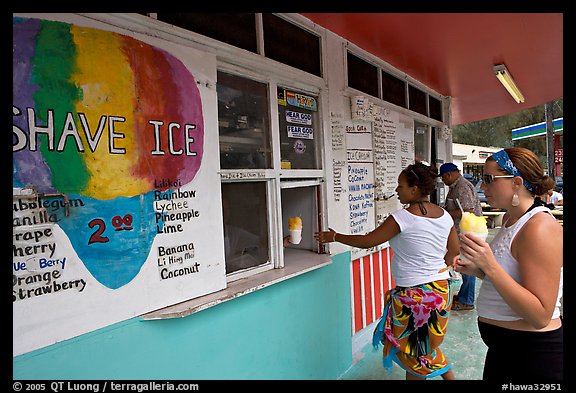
(417, 100)
(367, 78)
(303, 201)
(299, 129)
(283, 41)
(393, 89)
(422, 142)
(435, 106)
(243, 123)
(362, 75)
(250, 188)
(290, 44)
(234, 29)
(244, 208)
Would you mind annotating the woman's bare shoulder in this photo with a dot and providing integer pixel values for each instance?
(542, 226)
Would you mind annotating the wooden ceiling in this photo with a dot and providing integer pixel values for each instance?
(453, 54)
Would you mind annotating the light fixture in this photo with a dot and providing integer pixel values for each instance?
(505, 78)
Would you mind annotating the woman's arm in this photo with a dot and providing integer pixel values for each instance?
(538, 250)
(453, 247)
(386, 231)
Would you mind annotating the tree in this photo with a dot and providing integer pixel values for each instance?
(497, 132)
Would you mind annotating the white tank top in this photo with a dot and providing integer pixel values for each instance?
(489, 303)
(419, 248)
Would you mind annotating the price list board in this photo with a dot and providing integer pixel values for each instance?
(393, 150)
(360, 172)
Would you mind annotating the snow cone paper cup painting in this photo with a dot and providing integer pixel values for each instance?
(106, 97)
(108, 140)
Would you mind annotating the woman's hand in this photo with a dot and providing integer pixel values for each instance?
(476, 254)
(464, 266)
(326, 236)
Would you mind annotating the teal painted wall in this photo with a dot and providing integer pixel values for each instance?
(296, 329)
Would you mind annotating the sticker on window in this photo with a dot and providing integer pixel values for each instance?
(299, 118)
(300, 100)
(299, 147)
(282, 97)
(300, 132)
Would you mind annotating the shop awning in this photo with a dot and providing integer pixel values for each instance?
(454, 53)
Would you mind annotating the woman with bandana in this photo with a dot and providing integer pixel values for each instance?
(521, 270)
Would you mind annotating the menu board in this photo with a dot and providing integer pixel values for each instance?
(360, 172)
(338, 133)
(393, 150)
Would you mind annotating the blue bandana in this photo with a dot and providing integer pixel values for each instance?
(504, 161)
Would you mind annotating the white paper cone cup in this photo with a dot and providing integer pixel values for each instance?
(482, 236)
(295, 236)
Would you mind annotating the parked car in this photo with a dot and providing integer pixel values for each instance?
(559, 184)
(484, 201)
(470, 178)
(480, 193)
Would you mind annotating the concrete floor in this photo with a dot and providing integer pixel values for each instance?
(462, 346)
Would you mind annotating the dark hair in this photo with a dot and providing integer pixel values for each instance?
(529, 166)
(421, 175)
(548, 183)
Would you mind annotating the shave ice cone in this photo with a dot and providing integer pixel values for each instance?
(295, 229)
(471, 223)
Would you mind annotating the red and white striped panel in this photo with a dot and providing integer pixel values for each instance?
(370, 279)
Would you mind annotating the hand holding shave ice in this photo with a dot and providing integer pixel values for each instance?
(295, 229)
(471, 223)
(475, 225)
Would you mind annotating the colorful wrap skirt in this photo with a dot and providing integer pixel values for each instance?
(413, 326)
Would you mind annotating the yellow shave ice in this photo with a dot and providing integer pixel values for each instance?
(295, 229)
(294, 223)
(474, 224)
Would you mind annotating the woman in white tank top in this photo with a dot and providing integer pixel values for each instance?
(519, 300)
(416, 312)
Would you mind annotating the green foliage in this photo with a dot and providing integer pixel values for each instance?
(497, 132)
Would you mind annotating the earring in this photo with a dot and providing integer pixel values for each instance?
(515, 200)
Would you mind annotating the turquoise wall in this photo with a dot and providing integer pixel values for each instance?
(296, 329)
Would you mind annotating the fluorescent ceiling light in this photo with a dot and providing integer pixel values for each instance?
(505, 78)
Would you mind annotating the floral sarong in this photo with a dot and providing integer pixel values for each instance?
(413, 326)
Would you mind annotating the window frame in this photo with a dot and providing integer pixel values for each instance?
(383, 67)
(277, 178)
(273, 262)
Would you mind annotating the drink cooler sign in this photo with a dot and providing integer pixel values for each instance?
(114, 184)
